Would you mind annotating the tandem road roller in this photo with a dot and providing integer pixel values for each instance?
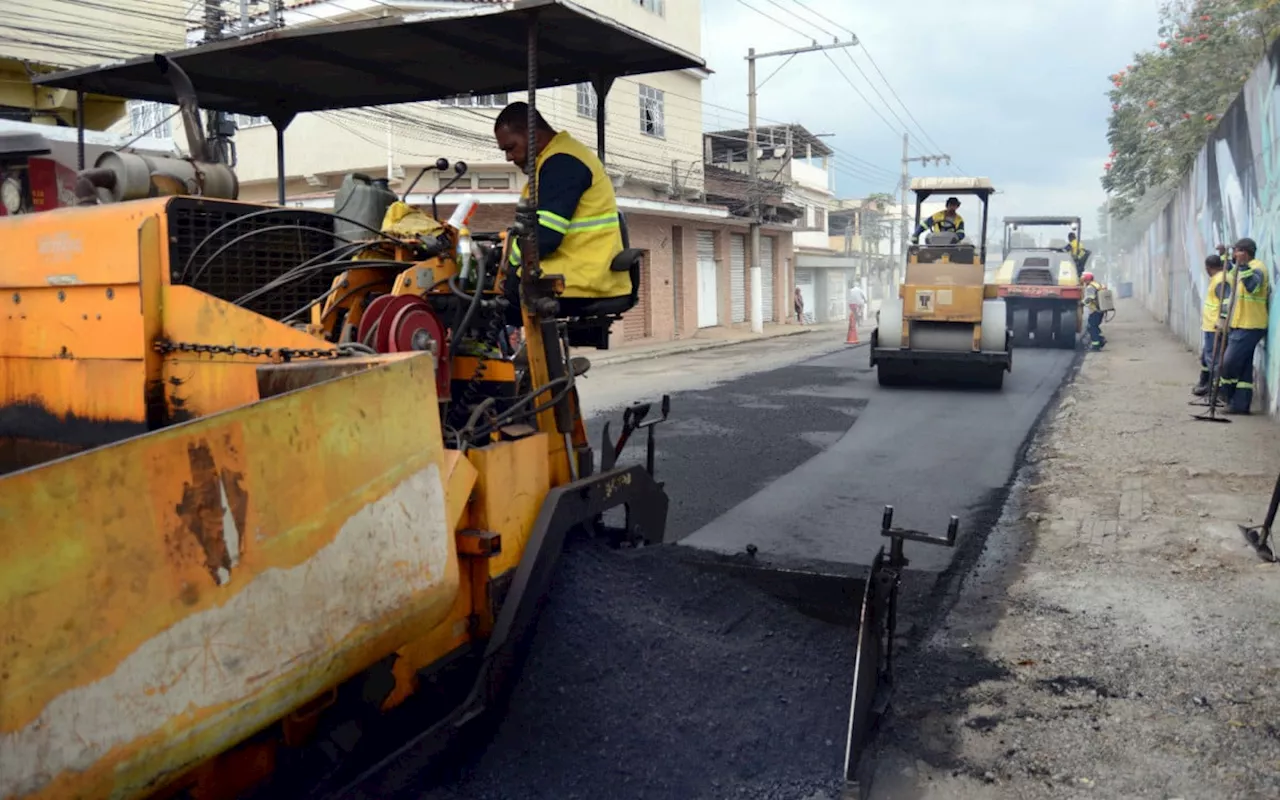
(1040, 284)
(946, 325)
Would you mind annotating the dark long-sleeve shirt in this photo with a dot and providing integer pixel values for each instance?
(562, 180)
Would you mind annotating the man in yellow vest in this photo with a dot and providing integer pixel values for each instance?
(1094, 321)
(1246, 327)
(948, 221)
(1079, 254)
(1210, 312)
(578, 229)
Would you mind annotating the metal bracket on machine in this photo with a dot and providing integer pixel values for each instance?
(632, 421)
(873, 665)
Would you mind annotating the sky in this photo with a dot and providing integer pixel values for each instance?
(1014, 90)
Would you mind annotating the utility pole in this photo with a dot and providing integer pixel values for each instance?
(753, 169)
(906, 183)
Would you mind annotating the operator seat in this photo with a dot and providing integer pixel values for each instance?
(590, 321)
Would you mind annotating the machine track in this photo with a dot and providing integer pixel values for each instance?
(1044, 324)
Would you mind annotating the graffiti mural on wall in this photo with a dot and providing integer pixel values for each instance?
(1232, 191)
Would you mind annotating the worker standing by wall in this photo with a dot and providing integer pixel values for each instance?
(1246, 327)
(1091, 288)
(1210, 313)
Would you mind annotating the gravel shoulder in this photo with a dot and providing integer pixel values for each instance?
(1116, 638)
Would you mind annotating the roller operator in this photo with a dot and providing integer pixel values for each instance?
(945, 221)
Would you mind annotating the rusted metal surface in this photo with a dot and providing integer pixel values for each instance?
(191, 585)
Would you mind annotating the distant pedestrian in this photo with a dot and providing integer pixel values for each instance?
(857, 302)
(799, 303)
(1210, 313)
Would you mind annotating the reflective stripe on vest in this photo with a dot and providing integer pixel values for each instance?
(1251, 307)
(1212, 305)
(591, 239)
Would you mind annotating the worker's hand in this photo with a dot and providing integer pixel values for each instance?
(1222, 249)
(915, 240)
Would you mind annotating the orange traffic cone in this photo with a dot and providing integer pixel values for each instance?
(852, 338)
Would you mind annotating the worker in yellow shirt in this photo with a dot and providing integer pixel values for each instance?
(947, 221)
(1094, 322)
(1079, 255)
(579, 232)
(1245, 327)
(1210, 312)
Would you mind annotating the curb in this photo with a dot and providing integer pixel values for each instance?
(692, 347)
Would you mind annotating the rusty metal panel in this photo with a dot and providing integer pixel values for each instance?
(66, 247)
(164, 597)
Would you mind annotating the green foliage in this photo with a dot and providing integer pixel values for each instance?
(1167, 102)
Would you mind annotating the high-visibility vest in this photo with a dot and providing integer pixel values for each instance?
(1077, 249)
(939, 223)
(592, 238)
(1212, 303)
(1251, 307)
(1091, 290)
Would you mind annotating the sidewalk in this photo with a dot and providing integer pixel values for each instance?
(710, 338)
(1117, 638)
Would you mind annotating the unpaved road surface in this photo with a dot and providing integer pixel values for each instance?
(1117, 639)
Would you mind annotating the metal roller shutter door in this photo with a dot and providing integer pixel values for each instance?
(737, 277)
(766, 277)
(635, 323)
(708, 281)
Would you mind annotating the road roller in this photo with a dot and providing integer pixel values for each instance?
(946, 325)
(275, 503)
(1039, 281)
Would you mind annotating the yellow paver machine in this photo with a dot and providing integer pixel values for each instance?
(267, 487)
(946, 325)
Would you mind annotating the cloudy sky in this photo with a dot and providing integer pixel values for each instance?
(1011, 89)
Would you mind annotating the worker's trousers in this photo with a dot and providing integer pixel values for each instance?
(1236, 384)
(1208, 360)
(1094, 324)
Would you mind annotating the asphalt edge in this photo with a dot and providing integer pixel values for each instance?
(697, 346)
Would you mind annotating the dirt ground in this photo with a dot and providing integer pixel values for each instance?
(1117, 638)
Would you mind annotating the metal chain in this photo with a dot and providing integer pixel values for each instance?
(165, 347)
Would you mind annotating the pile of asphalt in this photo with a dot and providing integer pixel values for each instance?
(651, 678)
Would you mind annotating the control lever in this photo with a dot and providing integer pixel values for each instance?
(632, 421)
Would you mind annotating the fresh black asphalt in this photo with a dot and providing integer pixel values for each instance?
(651, 678)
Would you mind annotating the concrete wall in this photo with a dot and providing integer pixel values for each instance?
(1232, 191)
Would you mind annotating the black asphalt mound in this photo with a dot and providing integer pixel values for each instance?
(651, 678)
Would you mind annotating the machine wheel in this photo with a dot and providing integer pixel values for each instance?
(1067, 336)
(1021, 325)
(1044, 328)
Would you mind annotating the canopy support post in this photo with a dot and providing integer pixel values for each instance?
(280, 122)
(79, 129)
(601, 84)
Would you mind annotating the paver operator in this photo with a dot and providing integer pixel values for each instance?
(1246, 326)
(578, 227)
(946, 221)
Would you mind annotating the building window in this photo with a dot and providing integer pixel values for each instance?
(586, 100)
(149, 119)
(477, 101)
(245, 121)
(443, 179)
(658, 7)
(651, 112)
(819, 218)
(500, 182)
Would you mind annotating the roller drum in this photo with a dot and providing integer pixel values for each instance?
(949, 337)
